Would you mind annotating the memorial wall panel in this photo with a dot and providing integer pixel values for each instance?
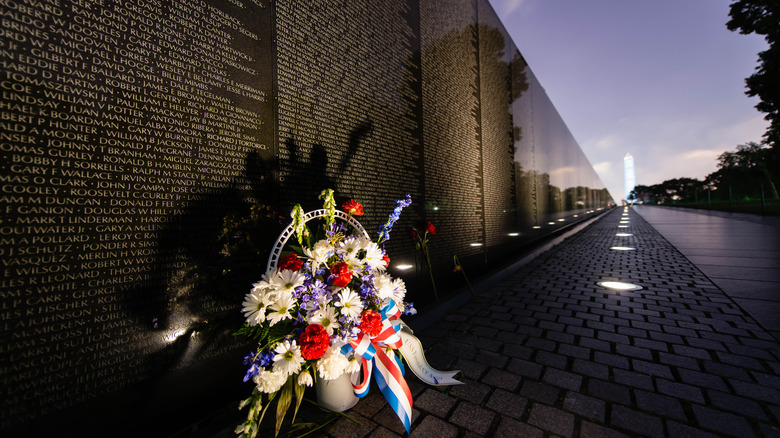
(121, 120)
(451, 127)
(131, 130)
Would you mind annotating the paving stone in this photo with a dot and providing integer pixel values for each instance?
(345, 428)
(697, 353)
(726, 370)
(389, 419)
(511, 428)
(678, 430)
(637, 422)
(540, 392)
(472, 417)
(590, 430)
(518, 351)
(722, 422)
(609, 391)
(501, 379)
(659, 404)
(432, 401)
(525, 368)
(472, 391)
(551, 359)
(756, 392)
(588, 407)
(433, 426)
(551, 419)
(612, 360)
(632, 379)
(507, 403)
(702, 379)
(634, 351)
(678, 361)
(591, 369)
(470, 369)
(736, 404)
(562, 379)
(651, 368)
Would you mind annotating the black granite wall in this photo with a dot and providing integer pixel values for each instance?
(131, 130)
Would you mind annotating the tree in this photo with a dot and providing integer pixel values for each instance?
(763, 18)
(746, 168)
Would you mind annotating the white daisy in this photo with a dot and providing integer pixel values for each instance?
(287, 359)
(374, 256)
(269, 381)
(332, 364)
(281, 309)
(326, 317)
(350, 303)
(348, 249)
(255, 305)
(286, 281)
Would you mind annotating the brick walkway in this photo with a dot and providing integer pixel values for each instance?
(548, 352)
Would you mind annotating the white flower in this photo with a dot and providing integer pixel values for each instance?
(255, 305)
(304, 379)
(384, 286)
(319, 253)
(374, 256)
(350, 304)
(354, 364)
(286, 281)
(326, 317)
(269, 381)
(287, 359)
(348, 249)
(332, 364)
(399, 292)
(281, 309)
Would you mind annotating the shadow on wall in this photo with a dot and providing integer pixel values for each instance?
(211, 254)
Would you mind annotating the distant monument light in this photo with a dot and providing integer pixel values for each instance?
(629, 175)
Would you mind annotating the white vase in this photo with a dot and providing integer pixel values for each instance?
(336, 394)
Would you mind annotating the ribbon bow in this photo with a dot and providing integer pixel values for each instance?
(395, 335)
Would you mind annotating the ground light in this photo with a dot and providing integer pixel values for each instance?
(624, 234)
(622, 248)
(475, 244)
(404, 267)
(622, 226)
(619, 285)
(513, 234)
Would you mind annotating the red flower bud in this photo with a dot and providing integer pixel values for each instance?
(353, 208)
(430, 228)
(340, 273)
(291, 262)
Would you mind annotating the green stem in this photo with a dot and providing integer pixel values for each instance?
(430, 271)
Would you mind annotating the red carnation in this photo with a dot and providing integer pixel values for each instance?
(386, 260)
(353, 208)
(291, 262)
(341, 274)
(370, 322)
(314, 342)
(430, 228)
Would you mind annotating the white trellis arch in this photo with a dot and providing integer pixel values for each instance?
(290, 230)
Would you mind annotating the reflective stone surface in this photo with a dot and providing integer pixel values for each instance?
(133, 130)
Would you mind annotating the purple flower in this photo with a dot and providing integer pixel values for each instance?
(400, 204)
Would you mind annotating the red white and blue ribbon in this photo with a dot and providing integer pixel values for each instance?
(389, 373)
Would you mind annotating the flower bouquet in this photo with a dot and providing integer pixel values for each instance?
(329, 309)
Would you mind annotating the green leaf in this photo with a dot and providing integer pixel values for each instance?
(299, 390)
(283, 404)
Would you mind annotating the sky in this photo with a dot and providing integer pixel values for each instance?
(663, 80)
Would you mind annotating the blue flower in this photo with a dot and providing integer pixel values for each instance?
(400, 204)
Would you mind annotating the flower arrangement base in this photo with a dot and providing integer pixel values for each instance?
(337, 394)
